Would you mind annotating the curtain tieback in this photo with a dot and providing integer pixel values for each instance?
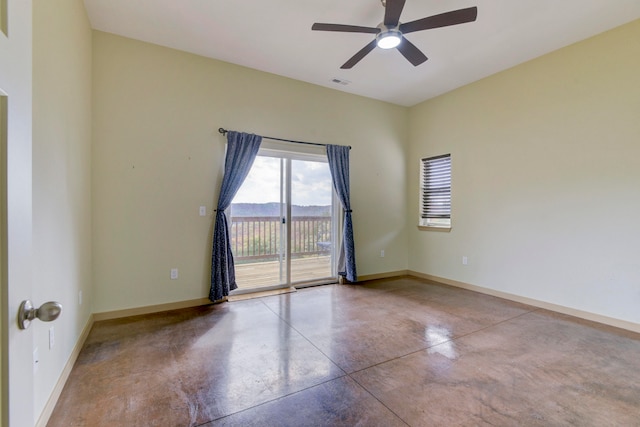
(348, 211)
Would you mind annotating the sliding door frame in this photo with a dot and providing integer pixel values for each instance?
(287, 154)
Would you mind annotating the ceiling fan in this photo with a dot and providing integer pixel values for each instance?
(390, 32)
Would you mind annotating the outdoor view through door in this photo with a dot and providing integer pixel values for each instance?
(282, 223)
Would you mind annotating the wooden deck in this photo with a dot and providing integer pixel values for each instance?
(264, 274)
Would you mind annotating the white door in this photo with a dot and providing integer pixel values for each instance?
(15, 210)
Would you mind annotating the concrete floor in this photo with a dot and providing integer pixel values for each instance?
(392, 352)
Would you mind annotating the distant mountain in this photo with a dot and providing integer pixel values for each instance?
(273, 209)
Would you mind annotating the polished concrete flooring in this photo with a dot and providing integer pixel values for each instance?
(392, 352)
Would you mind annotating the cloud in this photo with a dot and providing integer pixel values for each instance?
(311, 183)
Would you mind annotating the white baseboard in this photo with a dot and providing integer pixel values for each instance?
(611, 321)
(64, 376)
(386, 275)
(148, 309)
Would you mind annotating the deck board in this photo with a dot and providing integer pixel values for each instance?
(263, 274)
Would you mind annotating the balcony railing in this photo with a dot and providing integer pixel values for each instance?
(258, 238)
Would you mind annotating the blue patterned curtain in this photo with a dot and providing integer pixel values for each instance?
(338, 157)
(242, 149)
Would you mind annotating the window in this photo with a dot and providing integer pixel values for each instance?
(435, 191)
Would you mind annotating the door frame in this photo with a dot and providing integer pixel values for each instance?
(288, 153)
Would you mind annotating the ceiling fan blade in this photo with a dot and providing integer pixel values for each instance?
(411, 52)
(358, 56)
(392, 12)
(344, 28)
(442, 20)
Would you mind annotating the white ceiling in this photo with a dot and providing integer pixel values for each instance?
(275, 36)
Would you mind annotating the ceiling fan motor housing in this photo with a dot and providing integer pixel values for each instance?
(388, 37)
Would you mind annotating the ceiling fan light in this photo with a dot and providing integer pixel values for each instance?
(389, 39)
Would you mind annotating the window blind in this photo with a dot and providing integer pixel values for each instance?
(436, 187)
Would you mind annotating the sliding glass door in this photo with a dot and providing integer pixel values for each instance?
(257, 226)
(282, 222)
(312, 221)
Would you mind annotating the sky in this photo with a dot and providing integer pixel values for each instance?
(311, 183)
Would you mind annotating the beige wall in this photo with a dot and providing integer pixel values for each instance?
(157, 157)
(545, 178)
(61, 180)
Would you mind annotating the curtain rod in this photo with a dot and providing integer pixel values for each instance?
(224, 131)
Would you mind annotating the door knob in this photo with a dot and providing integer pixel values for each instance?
(47, 312)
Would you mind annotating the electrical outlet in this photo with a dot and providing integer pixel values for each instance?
(52, 338)
(465, 260)
(80, 298)
(203, 211)
(174, 273)
(382, 253)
